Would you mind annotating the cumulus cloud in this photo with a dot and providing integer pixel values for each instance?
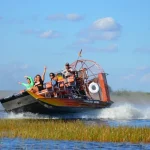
(93, 36)
(50, 34)
(101, 29)
(69, 17)
(74, 17)
(43, 34)
(106, 24)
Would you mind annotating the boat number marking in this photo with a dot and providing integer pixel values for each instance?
(89, 101)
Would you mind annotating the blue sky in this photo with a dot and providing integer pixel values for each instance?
(115, 34)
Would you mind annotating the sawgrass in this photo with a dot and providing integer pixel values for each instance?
(71, 130)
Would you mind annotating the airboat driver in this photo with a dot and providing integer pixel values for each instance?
(68, 72)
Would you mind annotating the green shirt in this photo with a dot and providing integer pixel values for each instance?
(28, 86)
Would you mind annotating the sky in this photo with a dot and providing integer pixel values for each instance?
(115, 34)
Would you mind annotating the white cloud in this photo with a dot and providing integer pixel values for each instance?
(146, 78)
(102, 29)
(43, 34)
(49, 34)
(109, 35)
(106, 24)
(69, 17)
(74, 17)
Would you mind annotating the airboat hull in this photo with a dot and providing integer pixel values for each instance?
(20, 103)
(30, 102)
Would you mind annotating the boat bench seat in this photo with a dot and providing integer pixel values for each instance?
(61, 85)
(48, 89)
(48, 85)
(71, 79)
(43, 92)
(66, 82)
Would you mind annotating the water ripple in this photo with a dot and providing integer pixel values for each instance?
(13, 144)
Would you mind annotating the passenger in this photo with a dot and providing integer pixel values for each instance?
(53, 79)
(67, 72)
(38, 82)
(34, 80)
(54, 83)
(29, 83)
(43, 76)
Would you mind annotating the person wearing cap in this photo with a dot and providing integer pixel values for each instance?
(68, 70)
(29, 84)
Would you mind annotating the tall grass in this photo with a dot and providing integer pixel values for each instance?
(71, 130)
(124, 92)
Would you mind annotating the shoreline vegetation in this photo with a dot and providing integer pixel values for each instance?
(128, 93)
(71, 130)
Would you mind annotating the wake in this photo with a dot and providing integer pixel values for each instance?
(124, 108)
(124, 111)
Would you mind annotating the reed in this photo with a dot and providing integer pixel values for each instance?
(71, 130)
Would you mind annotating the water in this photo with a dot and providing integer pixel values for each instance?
(126, 111)
(17, 143)
(121, 114)
(132, 109)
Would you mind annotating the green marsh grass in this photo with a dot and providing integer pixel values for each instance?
(71, 130)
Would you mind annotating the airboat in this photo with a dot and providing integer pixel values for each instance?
(86, 89)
